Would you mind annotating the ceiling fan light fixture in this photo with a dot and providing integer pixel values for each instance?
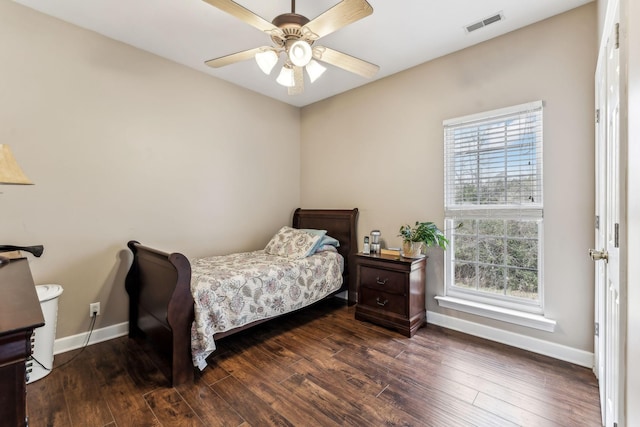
(296, 36)
(266, 60)
(285, 78)
(314, 70)
(300, 53)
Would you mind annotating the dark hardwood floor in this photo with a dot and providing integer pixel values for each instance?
(320, 367)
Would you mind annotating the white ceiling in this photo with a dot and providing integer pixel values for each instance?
(398, 35)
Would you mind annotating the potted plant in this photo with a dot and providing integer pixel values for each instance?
(422, 234)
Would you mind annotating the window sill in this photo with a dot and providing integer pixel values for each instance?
(529, 320)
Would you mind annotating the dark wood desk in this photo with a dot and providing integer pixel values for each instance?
(20, 314)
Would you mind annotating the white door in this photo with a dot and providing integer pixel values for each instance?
(607, 341)
(600, 237)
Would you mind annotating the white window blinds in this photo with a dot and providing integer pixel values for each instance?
(494, 160)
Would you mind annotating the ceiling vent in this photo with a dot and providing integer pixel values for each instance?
(483, 23)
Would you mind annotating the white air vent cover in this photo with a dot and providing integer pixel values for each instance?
(483, 23)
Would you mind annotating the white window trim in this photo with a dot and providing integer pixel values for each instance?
(521, 313)
(517, 317)
(494, 113)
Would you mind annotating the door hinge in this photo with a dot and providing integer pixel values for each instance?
(617, 35)
(616, 236)
(597, 116)
(597, 329)
(597, 222)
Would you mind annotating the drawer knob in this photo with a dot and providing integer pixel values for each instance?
(381, 303)
(381, 282)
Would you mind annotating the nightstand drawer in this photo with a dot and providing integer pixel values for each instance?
(383, 280)
(379, 300)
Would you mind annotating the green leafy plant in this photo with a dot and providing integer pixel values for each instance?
(425, 232)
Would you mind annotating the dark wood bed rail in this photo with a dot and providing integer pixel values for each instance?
(159, 286)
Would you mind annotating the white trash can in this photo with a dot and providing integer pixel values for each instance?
(41, 361)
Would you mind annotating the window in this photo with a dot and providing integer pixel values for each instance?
(493, 207)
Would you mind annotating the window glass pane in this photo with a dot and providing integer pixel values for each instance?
(491, 250)
(466, 248)
(465, 275)
(522, 253)
(521, 228)
(491, 279)
(501, 257)
(491, 227)
(523, 283)
(466, 227)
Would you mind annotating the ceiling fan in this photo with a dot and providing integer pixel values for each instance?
(295, 36)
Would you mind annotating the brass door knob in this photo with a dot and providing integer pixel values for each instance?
(598, 255)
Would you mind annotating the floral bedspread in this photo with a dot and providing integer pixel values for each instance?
(232, 290)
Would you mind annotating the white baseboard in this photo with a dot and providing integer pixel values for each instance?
(535, 345)
(62, 345)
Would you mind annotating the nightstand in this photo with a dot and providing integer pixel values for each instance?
(391, 291)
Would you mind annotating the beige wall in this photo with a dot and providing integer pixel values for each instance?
(124, 145)
(380, 148)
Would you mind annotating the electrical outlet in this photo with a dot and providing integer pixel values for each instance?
(94, 309)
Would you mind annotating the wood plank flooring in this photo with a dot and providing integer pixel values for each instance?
(320, 367)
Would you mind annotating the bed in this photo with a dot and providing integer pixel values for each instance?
(161, 303)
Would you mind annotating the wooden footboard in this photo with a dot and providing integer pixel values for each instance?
(161, 306)
(159, 287)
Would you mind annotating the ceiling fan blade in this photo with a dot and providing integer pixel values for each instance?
(298, 79)
(344, 61)
(245, 15)
(340, 15)
(235, 57)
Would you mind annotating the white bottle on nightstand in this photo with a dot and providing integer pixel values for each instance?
(366, 249)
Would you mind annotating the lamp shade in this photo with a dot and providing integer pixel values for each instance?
(10, 172)
(286, 77)
(266, 60)
(300, 53)
(314, 70)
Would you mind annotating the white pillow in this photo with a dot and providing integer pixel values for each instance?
(292, 243)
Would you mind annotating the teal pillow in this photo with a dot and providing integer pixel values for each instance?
(314, 232)
(324, 239)
(328, 240)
